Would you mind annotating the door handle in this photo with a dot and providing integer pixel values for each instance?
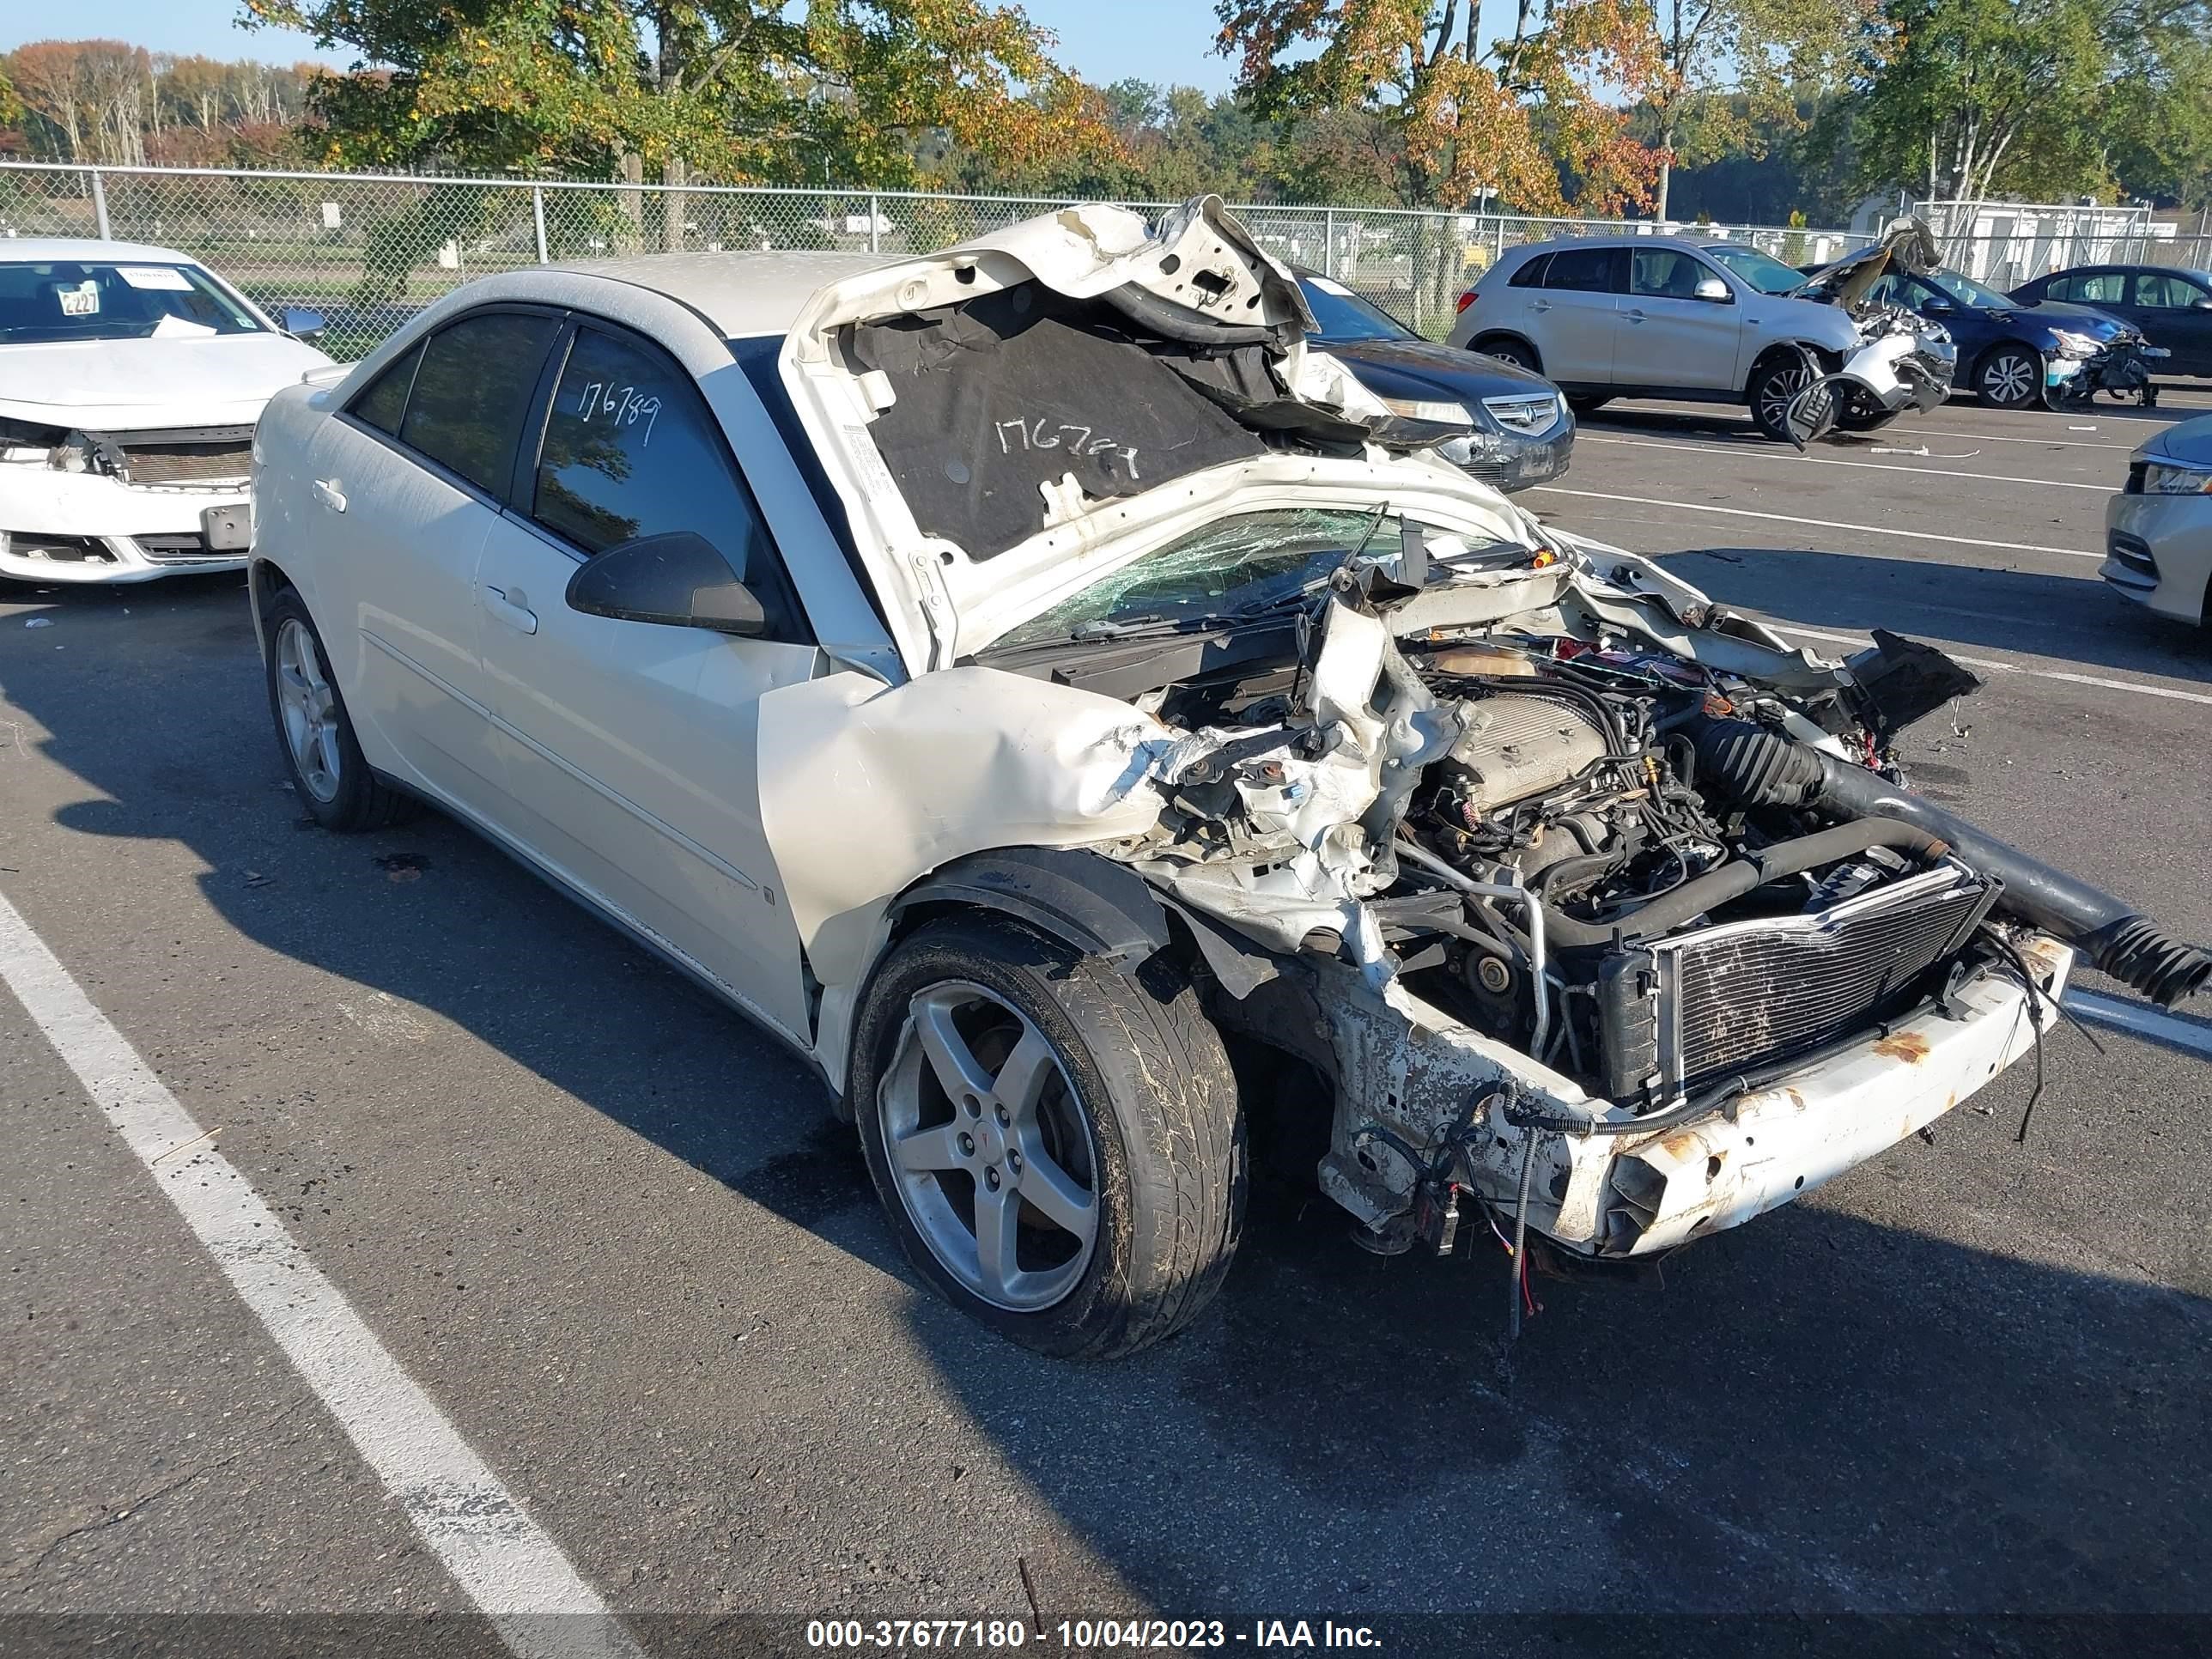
(1540, 305)
(328, 493)
(1635, 316)
(506, 605)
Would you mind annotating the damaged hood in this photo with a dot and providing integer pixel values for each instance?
(124, 386)
(1908, 246)
(997, 415)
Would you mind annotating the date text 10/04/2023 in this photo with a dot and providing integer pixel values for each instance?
(1086, 1635)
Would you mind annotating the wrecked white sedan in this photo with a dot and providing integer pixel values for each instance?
(1084, 724)
(131, 377)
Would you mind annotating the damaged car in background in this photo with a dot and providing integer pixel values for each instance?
(1106, 742)
(1903, 361)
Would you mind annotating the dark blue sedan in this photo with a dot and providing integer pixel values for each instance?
(2013, 354)
(1518, 430)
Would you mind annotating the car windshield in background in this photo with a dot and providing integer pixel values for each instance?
(1968, 292)
(1243, 566)
(70, 300)
(1762, 271)
(1343, 315)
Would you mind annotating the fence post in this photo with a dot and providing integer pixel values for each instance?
(100, 203)
(1329, 242)
(875, 223)
(537, 214)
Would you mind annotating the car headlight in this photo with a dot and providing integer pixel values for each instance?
(1420, 408)
(2164, 478)
(27, 440)
(2071, 344)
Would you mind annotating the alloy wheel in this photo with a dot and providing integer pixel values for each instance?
(2009, 379)
(309, 708)
(990, 1148)
(1777, 389)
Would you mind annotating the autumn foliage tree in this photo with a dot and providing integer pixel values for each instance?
(1517, 121)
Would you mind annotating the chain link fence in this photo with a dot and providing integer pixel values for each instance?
(368, 250)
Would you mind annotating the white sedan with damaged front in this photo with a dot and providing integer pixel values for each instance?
(131, 377)
(1079, 720)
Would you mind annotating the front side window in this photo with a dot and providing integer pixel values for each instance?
(1664, 273)
(1588, 270)
(383, 404)
(50, 301)
(471, 391)
(631, 450)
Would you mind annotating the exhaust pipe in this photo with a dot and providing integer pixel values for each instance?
(1755, 767)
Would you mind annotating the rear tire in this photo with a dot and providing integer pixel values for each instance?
(314, 732)
(2010, 376)
(1507, 349)
(1078, 1185)
(1583, 404)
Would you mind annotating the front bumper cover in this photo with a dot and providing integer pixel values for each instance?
(82, 528)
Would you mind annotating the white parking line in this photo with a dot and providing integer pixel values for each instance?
(510, 1568)
(1772, 454)
(2193, 1035)
(1712, 410)
(1997, 666)
(1821, 524)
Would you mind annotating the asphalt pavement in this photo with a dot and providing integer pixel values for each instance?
(610, 1234)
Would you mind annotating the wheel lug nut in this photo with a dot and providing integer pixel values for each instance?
(968, 1146)
(1014, 1163)
(1003, 1119)
(991, 1179)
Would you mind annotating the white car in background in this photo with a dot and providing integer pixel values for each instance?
(131, 377)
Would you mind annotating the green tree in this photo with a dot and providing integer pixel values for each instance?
(739, 90)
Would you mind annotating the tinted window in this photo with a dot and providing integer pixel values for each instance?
(2099, 287)
(1587, 268)
(632, 450)
(472, 389)
(384, 400)
(1664, 273)
(1531, 274)
(2163, 291)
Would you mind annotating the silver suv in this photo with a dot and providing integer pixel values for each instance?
(1657, 317)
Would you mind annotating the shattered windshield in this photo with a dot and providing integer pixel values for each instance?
(1252, 563)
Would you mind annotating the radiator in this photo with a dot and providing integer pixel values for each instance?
(1681, 1014)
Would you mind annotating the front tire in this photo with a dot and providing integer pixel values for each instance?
(315, 732)
(1774, 385)
(2010, 377)
(1863, 414)
(1056, 1144)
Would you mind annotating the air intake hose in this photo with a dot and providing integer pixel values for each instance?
(1755, 767)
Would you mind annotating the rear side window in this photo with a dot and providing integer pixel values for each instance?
(1531, 274)
(631, 449)
(471, 391)
(2099, 287)
(1588, 270)
(384, 401)
(2163, 291)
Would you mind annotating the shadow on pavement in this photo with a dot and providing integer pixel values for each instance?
(2064, 618)
(1817, 1411)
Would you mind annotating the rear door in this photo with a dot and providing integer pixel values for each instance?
(1668, 337)
(2169, 309)
(631, 747)
(1574, 316)
(407, 480)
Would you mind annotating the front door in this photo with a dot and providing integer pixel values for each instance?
(1668, 337)
(631, 747)
(2172, 311)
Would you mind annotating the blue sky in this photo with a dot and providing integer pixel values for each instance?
(1104, 40)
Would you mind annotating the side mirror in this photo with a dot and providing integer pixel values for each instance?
(303, 325)
(2200, 304)
(678, 580)
(1712, 289)
(1937, 306)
